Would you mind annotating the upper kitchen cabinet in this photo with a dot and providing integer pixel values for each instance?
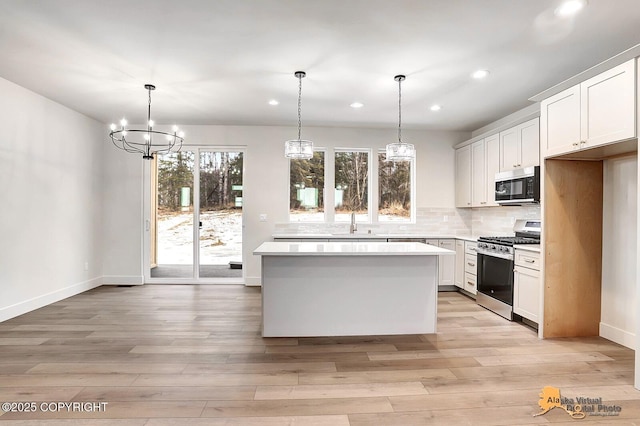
(476, 167)
(492, 166)
(597, 112)
(463, 176)
(478, 175)
(520, 146)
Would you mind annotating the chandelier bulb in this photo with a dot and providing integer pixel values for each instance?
(181, 134)
(175, 129)
(151, 123)
(112, 127)
(147, 137)
(123, 122)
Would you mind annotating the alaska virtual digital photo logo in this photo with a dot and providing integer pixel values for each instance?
(577, 408)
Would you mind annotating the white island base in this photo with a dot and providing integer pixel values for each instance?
(348, 289)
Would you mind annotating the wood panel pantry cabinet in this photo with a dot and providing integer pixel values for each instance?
(596, 112)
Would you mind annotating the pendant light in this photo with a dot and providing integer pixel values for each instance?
(400, 151)
(147, 142)
(298, 148)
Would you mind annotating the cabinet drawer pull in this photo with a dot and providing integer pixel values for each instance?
(530, 261)
(471, 264)
(470, 283)
(473, 248)
(575, 144)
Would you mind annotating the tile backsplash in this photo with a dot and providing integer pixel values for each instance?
(487, 221)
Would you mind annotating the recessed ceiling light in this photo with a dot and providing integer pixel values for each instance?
(273, 102)
(569, 7)
(480, 74)
(357, 105)
(436, 107)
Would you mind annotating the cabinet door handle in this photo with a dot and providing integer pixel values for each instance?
(515, 165)
(583, 142)
(575, 144)
(483, 202)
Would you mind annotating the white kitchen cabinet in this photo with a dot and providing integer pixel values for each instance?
(526, 285)
(520, 146)
(492, 166)
(597, 112)
(470, 268)
(459, 272)
(463, 176)
(478, 175)
(446, 264)
(476, 166)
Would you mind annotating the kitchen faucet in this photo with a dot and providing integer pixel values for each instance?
(353, 227)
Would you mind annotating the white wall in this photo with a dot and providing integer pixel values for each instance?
(265, 185)
(618, 315)
(51, 192)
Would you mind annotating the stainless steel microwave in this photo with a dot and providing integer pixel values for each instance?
(520, 186)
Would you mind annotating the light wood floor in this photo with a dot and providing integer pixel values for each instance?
(193, 355)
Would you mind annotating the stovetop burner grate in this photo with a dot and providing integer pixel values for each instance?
(509, 241)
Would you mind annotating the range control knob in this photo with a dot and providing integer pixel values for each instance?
(493, 247)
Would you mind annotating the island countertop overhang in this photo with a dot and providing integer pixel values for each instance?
(278, 248)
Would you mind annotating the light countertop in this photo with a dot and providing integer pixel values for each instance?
(348, 249)
(528, 247)
(364, 235)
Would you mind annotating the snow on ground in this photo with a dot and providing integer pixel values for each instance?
(220, 238)
(221, 235)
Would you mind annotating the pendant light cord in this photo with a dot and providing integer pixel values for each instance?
(299, 106)
(400, 110)
(149, 110)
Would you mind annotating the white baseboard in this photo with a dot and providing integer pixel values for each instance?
(122, 280)
(20, 308)
(618, 335)
(253, 281)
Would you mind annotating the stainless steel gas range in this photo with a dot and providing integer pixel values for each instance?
(495, 266)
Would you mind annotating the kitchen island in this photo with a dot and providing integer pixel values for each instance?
(348, 288)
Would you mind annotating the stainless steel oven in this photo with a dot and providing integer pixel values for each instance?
(495, 266)
(495, 279)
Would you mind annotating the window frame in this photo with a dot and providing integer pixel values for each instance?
(370, 182)
(325, 188)
(412, 192)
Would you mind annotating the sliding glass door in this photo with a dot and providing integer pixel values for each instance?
(195, 226)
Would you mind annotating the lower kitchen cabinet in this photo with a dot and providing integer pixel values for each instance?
(459, 271)
(446, 264)
(526, 285)
(470, 267)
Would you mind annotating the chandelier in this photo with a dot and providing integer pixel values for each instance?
(298, 148)
(400, 151)
(146, 141)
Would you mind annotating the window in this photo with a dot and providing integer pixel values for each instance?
(394, 190)
(351, 185)
(306, 189)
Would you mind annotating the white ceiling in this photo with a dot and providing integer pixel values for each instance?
(221, 61)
